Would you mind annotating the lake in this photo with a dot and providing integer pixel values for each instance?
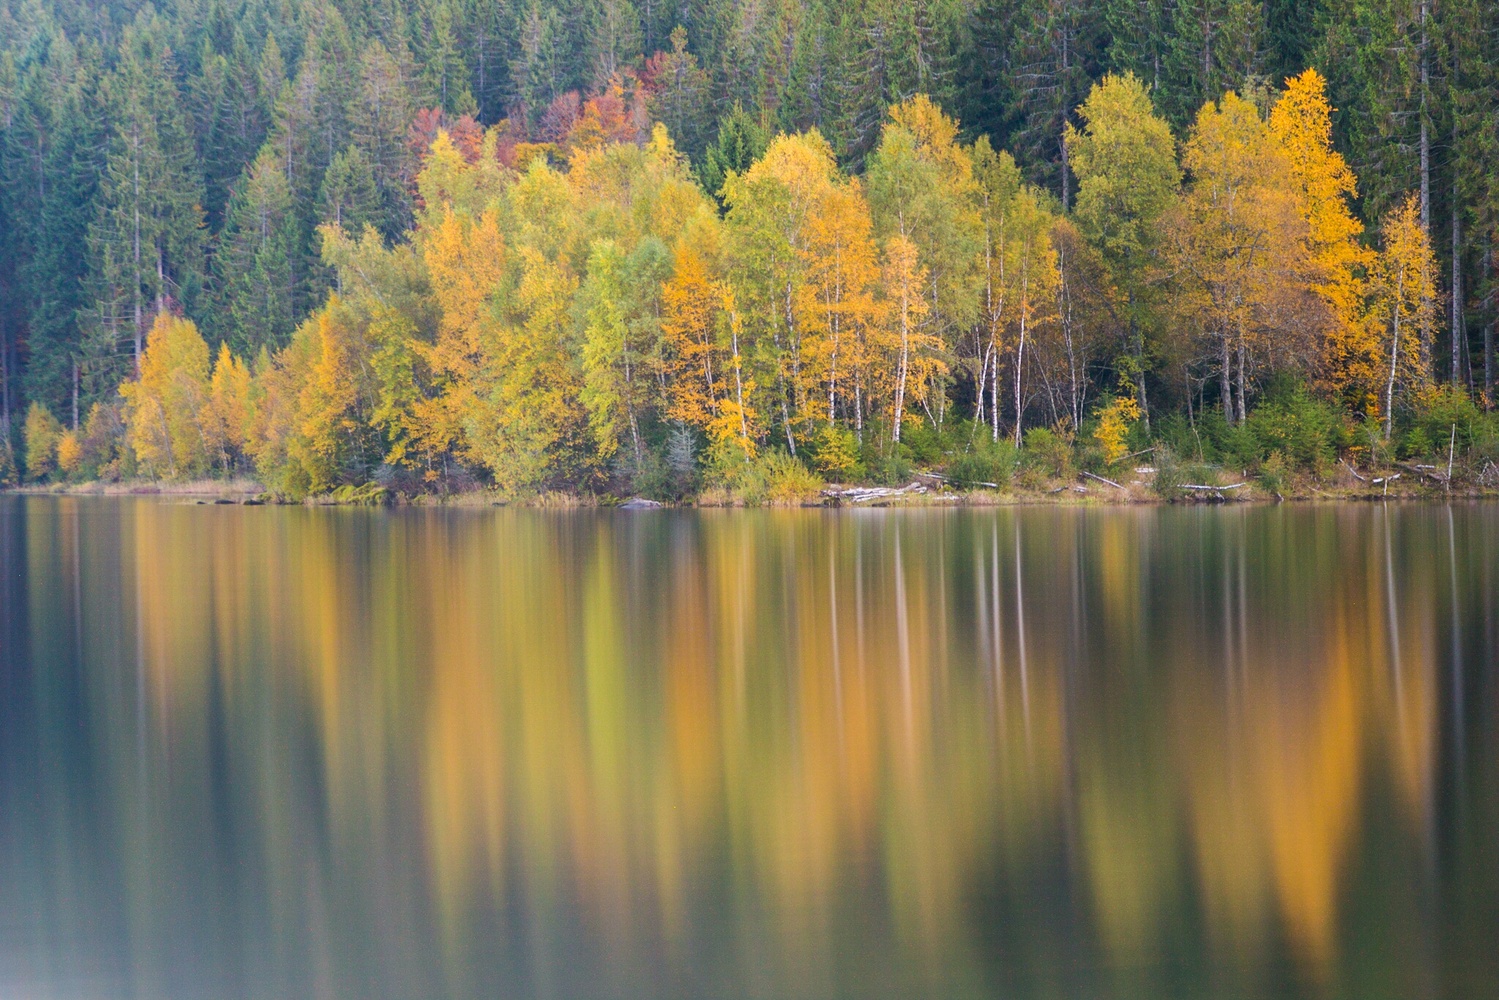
(1227, 752)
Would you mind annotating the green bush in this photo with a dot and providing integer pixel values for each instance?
(1171, 474)
(774, 478)
(1446, 412)
(923, 444)
(1274, 473)
(889, 464)
(1415, 444)
(1304, 430)
(1176, 433)
(987, 461)
(1048, 451)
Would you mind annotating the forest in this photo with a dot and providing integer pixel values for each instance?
(600, 248)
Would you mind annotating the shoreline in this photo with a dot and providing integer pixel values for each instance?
(924, 491)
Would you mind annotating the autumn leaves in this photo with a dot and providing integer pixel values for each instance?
(548, 324)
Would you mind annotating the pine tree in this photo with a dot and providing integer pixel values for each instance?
(379, 123)
(146, 239)
(1213, 46)
(350, 197)
(739, 143)
(1055, 62)
(679, 95)
(258, 261)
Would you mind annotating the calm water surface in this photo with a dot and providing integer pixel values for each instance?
(266, 752)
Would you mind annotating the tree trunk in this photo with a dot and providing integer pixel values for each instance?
(1066, 65)
(1459, 334)
(1020, 355)
(135, 247)
(1243, 362)
(1389, 393)
(1137, 344)
(1226, 382)
(4, 385)
(1488, 331)
(1425, 122)
(904, 365)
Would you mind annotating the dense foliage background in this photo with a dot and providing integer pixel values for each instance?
(180, 158)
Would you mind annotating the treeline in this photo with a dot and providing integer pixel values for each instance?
(584, 315)
(185, 159)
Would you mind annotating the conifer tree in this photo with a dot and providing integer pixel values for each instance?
(146, 240)
(258, 261)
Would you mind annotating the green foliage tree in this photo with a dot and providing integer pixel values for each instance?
(1125, 160)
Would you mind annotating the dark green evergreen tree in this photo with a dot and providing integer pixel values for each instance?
(260, 261)
(146, 238)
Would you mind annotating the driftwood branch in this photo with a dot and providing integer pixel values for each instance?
(863, 494)
(1103, 480)
(1451, 444)
(1192, 486)
(1351, 469)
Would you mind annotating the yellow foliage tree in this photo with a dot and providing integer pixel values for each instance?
(905, 282)
(837, 299)
(69, 453)
(692, 366)
(42, 432)
(332, 405)
(164, 406)
(1301, 124)
(1113, 427)
(1238, 244)
(228, 413)
(1401, 302)
(465, 259)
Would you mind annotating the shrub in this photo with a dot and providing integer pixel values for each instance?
(987, 461)
(1112, 432)
(837, 454)
(1415, 443)
(777, 479)
(1446, 413)
(69, 453)
(1175, 432)
(1171, 474)
(1049, 451)
(1274, 473)
(1368, 442)
(42, 432)
(1239, 447)
(889, 465)
(922, 442)
(103, 434)
(1302, 429)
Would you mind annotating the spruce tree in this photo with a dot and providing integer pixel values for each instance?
(146, 239)
(258, 261)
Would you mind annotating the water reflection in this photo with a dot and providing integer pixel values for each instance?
(283, 752)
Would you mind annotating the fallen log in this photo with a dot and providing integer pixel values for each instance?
(1103, 480)
(1192, 486)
